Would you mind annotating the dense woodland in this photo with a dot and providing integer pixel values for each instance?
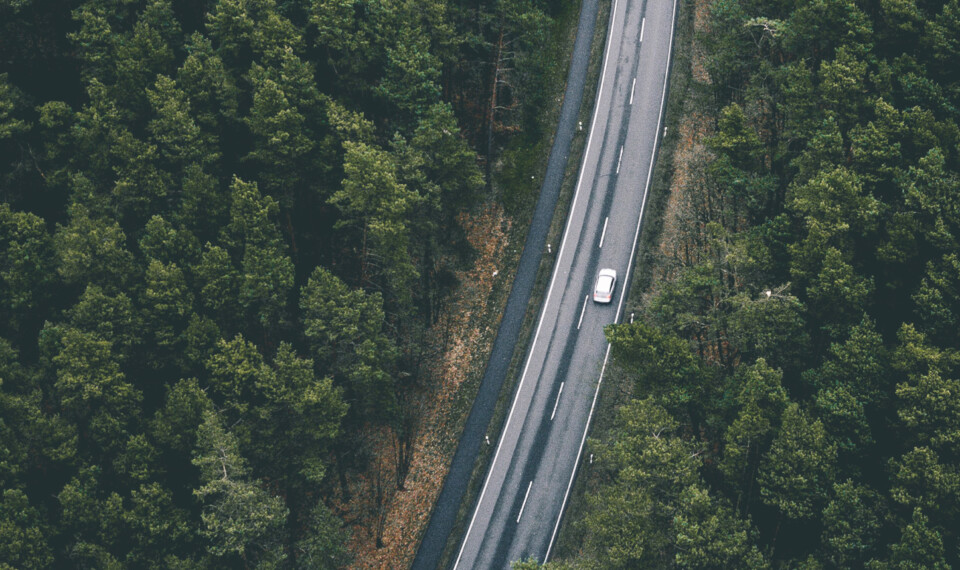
(224, 225)
(796, 380)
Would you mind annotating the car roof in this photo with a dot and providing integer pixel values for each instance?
(608, 273)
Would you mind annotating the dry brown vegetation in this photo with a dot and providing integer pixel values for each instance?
(682, 225)
(701, 26)
(681, 219)
(387, 521)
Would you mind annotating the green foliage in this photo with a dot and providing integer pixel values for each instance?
(10, 106)
(175, 423)
(761, 401)
(816, 278)
(771, 327)
(266, 273)
(22, 542)
(919, 479)
(344, 329)
(248, 208)
(930, 409)
(655, 511)
(665, 364)
(208, 85)
(298, 421)
(412, 73)
(178, 138)
(144, 52)
(167, 303)
(240, 518)
(325, 543)
(629, 520)
(163, 242)
(220, 286)
(155, 524)
(93, 251)
(277, 120)
(735, 138)
(376, 204)
(798, 467)
(710, 535)
(852, 522)
(27, 265)
(449, 162)
(91, 388)
(819, 283)
(919, 547)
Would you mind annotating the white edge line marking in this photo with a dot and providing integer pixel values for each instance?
(556, 266)
(555, 404)
(582, 311)
(632, 87)
(604, 233)
(636, 237)
(643, 24)
(619, 158)
(527, 494)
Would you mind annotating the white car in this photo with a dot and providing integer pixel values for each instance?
(606, 282)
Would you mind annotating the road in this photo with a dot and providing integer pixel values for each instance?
(528, 483)
(444, 515)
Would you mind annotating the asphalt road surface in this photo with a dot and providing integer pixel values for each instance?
(518, 512)
(474, 434)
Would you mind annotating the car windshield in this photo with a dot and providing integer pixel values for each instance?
(605, 283)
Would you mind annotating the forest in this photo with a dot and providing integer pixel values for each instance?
(794, 381)
(224, 227)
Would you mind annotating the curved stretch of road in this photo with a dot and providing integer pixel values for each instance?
(508, 333)
(518, 512)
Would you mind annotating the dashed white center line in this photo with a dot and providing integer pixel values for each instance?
(582, 311)
(557, 402)
(619, 158)
(646, 189)
(604, 233)
(632, 87)
(524, 501)
(643, 23)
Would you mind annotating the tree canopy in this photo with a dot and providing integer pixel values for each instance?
(224, 225)
(802, 342)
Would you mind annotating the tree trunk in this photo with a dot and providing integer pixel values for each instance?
(404, 440)
(381, 509)
(493, 100)
(293, 237)
(342, 477)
